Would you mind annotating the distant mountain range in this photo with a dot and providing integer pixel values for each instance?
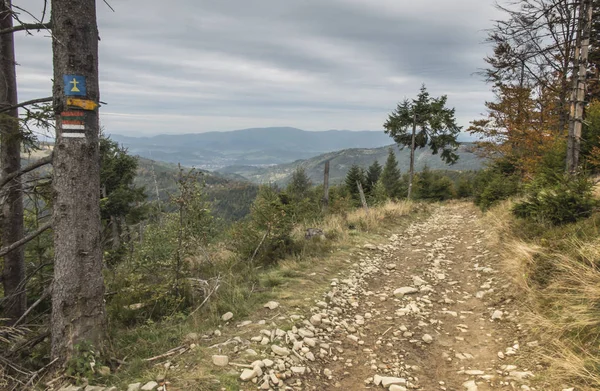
(248, 147)
(341, 161)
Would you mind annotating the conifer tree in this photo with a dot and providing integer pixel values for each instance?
(299, 184)
(390, 176)
(355, 174)
(373, 174)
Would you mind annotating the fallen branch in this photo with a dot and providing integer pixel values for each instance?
(36, 373)
(205, 299)
(259, 245)
(19, 243)
(45, 294)
(167, 354)
(37, 164)
(386, 331)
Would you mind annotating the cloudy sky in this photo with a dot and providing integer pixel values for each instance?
(183, 66)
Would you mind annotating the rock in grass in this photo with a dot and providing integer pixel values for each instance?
(227, 316)
(134, 387)
(151, 385)
(220, 360)
(272, 305)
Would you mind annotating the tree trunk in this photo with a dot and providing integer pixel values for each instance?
(78, 312)
(326, 187)
(570, 163)
(412, 157)
(13, 277)
(363, 199)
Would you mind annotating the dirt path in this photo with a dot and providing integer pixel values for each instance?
(430, 310)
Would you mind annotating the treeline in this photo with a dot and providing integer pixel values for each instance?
(381, 183)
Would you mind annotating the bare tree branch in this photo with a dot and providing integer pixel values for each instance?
(38, 163)
(26, 103)
(25, 239)
(26, 27)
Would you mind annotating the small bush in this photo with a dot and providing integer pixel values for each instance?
(566, 200)
(496, 183)
(432, 186)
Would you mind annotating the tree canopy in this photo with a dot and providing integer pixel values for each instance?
(435, 125)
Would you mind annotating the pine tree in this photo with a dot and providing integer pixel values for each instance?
(299, 184)
(373, 174)
(390, 176)
(355, 174)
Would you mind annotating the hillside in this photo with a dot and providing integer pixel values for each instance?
(230, 195)
(256, 147)
(342, 160)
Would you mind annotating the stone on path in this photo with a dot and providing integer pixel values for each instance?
(248, 374)
(405, 290)
(388, 381)
(470, 385)
(427, 338)
(497, 315)
(278, 350)
(134, 387)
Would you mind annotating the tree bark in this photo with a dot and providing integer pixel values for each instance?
(326, 187)
(363, 199)
(412, 157)
(78, 312)
(10, 159)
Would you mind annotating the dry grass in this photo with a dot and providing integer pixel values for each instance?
(339, 227)
(560, 284)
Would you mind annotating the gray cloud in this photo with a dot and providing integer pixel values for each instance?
(202, 65)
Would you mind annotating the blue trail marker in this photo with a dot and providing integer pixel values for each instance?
(74, 85)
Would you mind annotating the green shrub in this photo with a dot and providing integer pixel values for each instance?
(432, 186)
(565, 199)
(496, 183)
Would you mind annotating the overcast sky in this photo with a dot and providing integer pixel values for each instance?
(185, 66)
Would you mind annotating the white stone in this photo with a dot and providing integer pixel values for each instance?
(134, 387)
(298, 370)
(278, 350)
(151, 385)
(497, 315)
(470, 385)
(387, 381)
(272, 305)
(427, 338)
(220, 360)
(406, 290)
(248, 374)
(227, 316)
(395, 387)
(316, 319)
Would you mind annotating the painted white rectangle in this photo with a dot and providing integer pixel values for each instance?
(74, 135)
(74, 127)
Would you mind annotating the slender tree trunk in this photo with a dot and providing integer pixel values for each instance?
(78, 312)
(581, 83)
(412, 157)
(570, 163)
(326, 187)
(13, 277)
(363, 199)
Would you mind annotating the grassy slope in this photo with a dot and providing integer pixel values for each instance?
(558, 271)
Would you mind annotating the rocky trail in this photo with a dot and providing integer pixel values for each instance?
(430, 310)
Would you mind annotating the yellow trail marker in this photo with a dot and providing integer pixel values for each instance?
(85, 104)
